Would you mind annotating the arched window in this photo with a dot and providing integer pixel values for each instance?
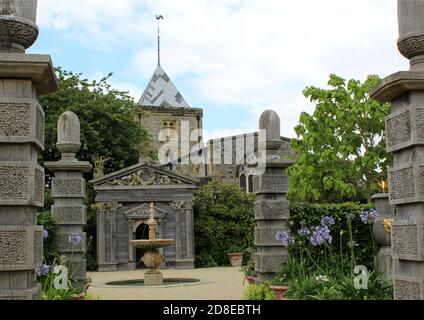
(243, 182)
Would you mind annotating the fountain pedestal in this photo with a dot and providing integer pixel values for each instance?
(152, 258)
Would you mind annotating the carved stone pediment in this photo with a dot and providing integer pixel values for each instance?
(143, 212)
(143, 175)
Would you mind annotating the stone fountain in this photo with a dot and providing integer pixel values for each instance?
(152, 257)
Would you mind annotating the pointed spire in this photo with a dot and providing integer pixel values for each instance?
(158, 18)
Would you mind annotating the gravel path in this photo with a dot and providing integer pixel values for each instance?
(224, 283)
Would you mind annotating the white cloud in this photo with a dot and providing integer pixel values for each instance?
(250, 54)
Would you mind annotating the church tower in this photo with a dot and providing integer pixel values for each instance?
(163, 111)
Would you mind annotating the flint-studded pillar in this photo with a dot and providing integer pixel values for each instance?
(272, 210)
(68, 192)
(405, 139)
(23, 78)
(106, 236)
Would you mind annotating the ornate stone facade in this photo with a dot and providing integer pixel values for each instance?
(123, 202)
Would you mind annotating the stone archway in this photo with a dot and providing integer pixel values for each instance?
(141, 233)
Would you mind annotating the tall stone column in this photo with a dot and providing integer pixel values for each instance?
(405, 139)
(68, 192)
(188, 207)
(23, 78)
(272, 210)
(177, 207)
(106, 236)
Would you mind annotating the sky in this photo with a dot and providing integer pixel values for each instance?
(233, 58)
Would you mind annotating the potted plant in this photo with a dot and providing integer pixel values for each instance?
(235, 255)
(279, 286)
(249, 271)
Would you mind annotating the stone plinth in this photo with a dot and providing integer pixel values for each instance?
(22, 79)
(68, 192)
(272, 209)
(405, 138)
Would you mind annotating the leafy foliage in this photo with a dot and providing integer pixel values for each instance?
(107, 116)
(311, 288)
(224, 220)
(258, 292)
(341, 146)
(378, 288)
(46, 220)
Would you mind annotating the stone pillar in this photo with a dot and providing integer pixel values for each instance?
(272, 210)
(68, 192)
(405, 139)
(189, 230)
(177, 207)
(382, 233)
(23, 78)
(106, 236)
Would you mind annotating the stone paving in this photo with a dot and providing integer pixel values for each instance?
(223, 283)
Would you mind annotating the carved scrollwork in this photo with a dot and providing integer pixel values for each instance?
(177, 205)
(144, 177)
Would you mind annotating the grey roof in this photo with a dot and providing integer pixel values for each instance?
(161, 92)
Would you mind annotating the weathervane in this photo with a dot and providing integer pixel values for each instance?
(158, 18)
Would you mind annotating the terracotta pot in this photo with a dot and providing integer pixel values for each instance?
(250, 279)
(278, 292)
(80, 296)
(236, 259)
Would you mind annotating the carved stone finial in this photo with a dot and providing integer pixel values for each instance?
(68, 135)
(411, 30)
(270, 121)
(18, 30)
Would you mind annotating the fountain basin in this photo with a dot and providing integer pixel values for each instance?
(152, 258)
(152, 244)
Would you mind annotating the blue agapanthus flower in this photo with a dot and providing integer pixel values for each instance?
(327, 221)
(285, 238)
(75, 239)
(45, 233)
(321, 235)
(369, 216)
(304, 231)
(42, 270)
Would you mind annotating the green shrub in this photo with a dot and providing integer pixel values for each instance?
(258, 292)
(224, 219)
(204, 260)
(378, 288)
(312, 288)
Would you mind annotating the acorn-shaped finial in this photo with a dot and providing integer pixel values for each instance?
(68, 135)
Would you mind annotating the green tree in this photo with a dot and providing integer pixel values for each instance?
(341, 146)
(108, 121)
